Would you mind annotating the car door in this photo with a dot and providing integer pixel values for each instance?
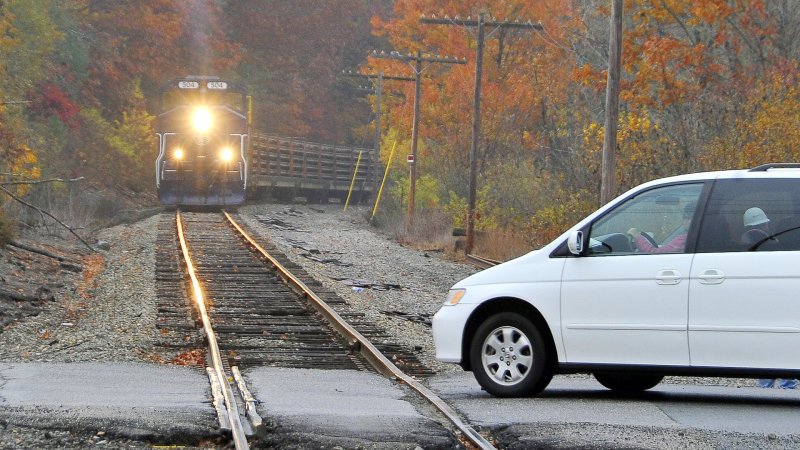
(621, 305)
(744, 310)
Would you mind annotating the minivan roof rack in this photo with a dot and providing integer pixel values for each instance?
(766, 167)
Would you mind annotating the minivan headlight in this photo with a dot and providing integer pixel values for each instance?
(454, 296)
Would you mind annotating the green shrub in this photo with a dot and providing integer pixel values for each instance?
(549, 222)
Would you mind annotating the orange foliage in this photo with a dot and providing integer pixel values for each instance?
(194, 357)
(767, 129)
(705, 84)
(93, 265)
(524, 74)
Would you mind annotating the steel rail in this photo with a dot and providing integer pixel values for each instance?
(239, 437)
(481, 262)
(358, 342)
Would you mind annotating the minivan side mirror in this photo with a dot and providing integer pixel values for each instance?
(575, 242)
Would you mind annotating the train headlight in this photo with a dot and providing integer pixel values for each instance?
(178, 154)
(226, 155)
(201, 120)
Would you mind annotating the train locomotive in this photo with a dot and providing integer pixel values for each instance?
(202, 128)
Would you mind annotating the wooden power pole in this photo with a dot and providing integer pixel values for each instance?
(417, 60)
(378, 78)
(480, 23)
(612, 104)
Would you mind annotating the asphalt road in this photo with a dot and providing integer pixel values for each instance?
(348, 408)
(142, 401)
(668, 416)
(172, 405)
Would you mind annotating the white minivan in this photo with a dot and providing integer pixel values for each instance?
(691, 275)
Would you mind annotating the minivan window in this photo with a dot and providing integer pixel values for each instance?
(751, 215)
(655, 221)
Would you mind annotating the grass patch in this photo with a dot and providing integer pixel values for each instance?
(501, 244)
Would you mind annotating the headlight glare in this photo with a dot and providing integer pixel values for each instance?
(226, 154)
(201, 120)
(178, 154)
(454, 296)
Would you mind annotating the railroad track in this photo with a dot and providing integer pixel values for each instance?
(481, 262)
(266, 312)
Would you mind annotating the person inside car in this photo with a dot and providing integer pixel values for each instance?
(756, 226)
(674, 243)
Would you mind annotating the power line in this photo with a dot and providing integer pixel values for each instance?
(378, 90)
(481, 23)
(417, 60)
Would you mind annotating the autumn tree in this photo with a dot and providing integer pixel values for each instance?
(524, 93)
(687, 66)
(705, 85)
(26, 38)
(293, 57)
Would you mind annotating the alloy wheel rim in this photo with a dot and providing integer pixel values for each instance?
(507, 355)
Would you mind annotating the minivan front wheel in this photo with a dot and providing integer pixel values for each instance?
(628, 383)
(509, 356)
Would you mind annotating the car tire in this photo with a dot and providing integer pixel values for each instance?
(628, 383)
(509, 356)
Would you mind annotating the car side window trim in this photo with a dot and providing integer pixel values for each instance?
(561, 251)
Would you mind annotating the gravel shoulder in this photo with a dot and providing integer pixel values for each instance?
(415, 282)
(107, 311)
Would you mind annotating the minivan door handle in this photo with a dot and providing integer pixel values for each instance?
(668, 276)
(711, 276)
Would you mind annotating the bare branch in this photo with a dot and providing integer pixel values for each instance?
(18, 296)
(32, 249)
(49, 180)
(41, 211)
(758, 51)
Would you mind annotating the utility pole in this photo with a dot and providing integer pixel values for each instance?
(376, 159)
(612, 103)
(417, 59)
(480, 23)
(378, 77)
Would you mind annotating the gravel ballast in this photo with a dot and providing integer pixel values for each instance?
(415, 282)
(107, 312)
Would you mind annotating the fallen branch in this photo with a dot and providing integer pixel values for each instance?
(41, 211)
(14, 295)
(49, 180)
(35, 250)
